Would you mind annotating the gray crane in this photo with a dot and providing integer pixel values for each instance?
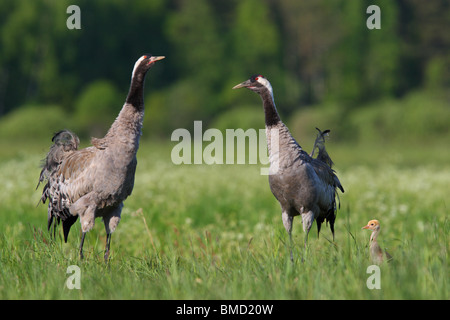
(93, 182)
(303, 185)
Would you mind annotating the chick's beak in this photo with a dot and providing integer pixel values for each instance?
(365, 227)
(244, 84)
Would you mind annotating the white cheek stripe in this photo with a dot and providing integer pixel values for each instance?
(136, 65)
(266, 84)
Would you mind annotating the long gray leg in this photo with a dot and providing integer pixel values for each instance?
(287, 222)
(111, 219)
(108, 243)
(307, 219)
(81, 245)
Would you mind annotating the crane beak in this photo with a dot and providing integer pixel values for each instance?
(365, 227)
(156, 58)
(244, 84)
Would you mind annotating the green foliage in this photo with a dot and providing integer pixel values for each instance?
(255, 38)
(164, 113)
(250, 117)
(313, 52)
(97, 107)
(383, 55)
(302, 124)
(198, 53)
(31, 67)
(418, 118)
(438, 73)
(33, 122)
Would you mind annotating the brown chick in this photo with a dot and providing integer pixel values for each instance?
(376, 253)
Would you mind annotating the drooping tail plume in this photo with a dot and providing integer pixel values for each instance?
(319, 144)
(64, 143)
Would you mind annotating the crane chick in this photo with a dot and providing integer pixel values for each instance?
(376, 253)
(93, 182)
(302, 185)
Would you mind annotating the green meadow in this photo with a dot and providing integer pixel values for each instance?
(215, 232)
(199, 231)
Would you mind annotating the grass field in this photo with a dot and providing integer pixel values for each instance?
(215, 232)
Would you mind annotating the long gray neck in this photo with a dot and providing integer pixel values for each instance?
(282, 147)
(135, 95)
(270, 111)
(125, 132)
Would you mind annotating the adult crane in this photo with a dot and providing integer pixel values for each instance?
(303, 185)
(93, 182)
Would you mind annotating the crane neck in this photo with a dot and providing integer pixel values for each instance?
(374, 235)
(272, 117)
(135, 95)
(126, 129)
(282, 147)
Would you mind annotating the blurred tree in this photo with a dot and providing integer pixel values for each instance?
(42, 60)
(383, 57)
(29, 38)
(312, 29)
(255, 38)
(198, 48)
(255, 47)
(97, 107)
(313, 52)
(437, 73)
(346, 61)
(427, 39)
(114, 35)
(197, 54)
(32, 122)
(430, 20)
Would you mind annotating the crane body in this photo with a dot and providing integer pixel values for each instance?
(93, 182)
(303, 185)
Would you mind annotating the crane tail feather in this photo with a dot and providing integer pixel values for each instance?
(319, 144)
(67, 224)
(64, 143)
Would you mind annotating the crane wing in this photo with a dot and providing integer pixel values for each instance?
(74, 173)
(66, 183)
(326, 174)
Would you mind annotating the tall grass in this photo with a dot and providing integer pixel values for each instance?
(215, 232)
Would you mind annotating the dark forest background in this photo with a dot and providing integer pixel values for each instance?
(326, 67)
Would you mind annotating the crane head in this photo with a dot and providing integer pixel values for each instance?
(257, 83)
(372, 225)
(144, 63)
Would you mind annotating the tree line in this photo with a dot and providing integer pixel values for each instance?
(313, 52)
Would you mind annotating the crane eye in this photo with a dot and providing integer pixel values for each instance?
(256, 78)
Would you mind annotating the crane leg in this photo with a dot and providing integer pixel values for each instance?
(306, 238)
(290, 246)
(332, 229)
(81, 245)
(108, 243)
(111, 219)
(287, 222)
(54, 231)
(307, 219)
